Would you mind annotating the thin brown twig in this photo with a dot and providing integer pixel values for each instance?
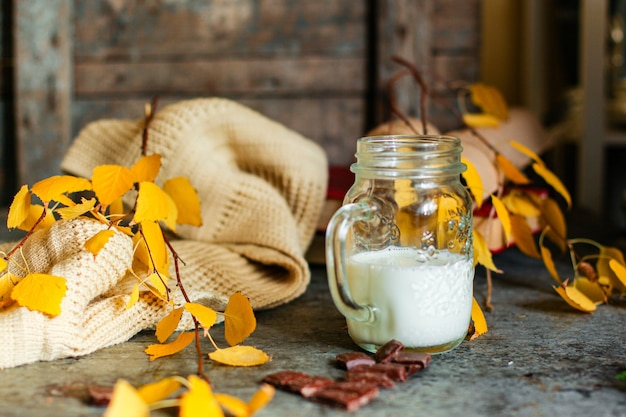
(28, 234)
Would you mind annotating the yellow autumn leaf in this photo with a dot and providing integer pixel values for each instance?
(546, 257)
(160, 350)
(126, 402)
(510, 171)
(95, 243)
(503, 216)
(199, 400)
(481, 120)
(261, 398)
(478, 317)
(116, 209)
(6, 285)
(147, 168)
(553, 181)
(111, 182)
(490, 100)
(240, 356)
(71, 212)
(591, 289)
(239, 320)
(186, 199)
(518, 202)
(51, 188)
(575, 298)
(619, 269)
(234, 406)
(526, 151)
(34, 213)
(156, 281)
(172, 214)
(134, 297)
(153, 253)
(20, 208)
(554, 218)
(523, 236)
(157, 391)
(152, 203)
(40, 292)
(473, 181)
(482, 254)
(168, 324)
(604, 269)
(205, 315)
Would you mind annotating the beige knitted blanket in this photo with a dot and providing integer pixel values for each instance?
(261, 187)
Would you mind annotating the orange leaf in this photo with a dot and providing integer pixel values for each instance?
(554, 182)
(480, 120)
(591, 289)
(546, 256)
(20, 208)
(604, 268)
(503, 216)
(34, 213)
(71, 212)
(172, 213)
(111, 182)
(239, 320)
(240, 356)
(95, 243)
(157, 391)
(147, 168)
(134, 297)
(152, 203)
(553, 217)
(160, 350)
(482, 254)
(619, 269)
(126, 402)
(157, 283)
(261, 398)
(490, 100)
(51, 188)
(576, 299)
(523, 236)
(473, 181)
(518, 202)
(155, 252)
(205, 315)
(186, 199)
(526, 151)
(168, 324)
(233, 405)
(478, 317)
(116, 209)
(40, 292)
(510, 170)
(199, 400)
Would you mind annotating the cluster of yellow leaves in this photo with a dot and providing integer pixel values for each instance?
(50, 200)
(197, 399)
(239, 323)
(592, 285)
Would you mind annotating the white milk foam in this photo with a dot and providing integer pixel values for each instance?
(424, 298)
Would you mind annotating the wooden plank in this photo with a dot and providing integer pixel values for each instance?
(142, 30)
(456, 26)
(333, 122)
(299, 76)
(42, 85)
(405, 30)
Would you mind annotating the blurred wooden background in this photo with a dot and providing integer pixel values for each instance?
(319, 67)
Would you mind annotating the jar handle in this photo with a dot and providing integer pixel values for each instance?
(336, 234)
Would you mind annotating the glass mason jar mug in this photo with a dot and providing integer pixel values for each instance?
(399, 251)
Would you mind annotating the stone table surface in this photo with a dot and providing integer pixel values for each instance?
(539, 358)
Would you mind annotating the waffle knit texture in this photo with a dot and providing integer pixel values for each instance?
(261, 187)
